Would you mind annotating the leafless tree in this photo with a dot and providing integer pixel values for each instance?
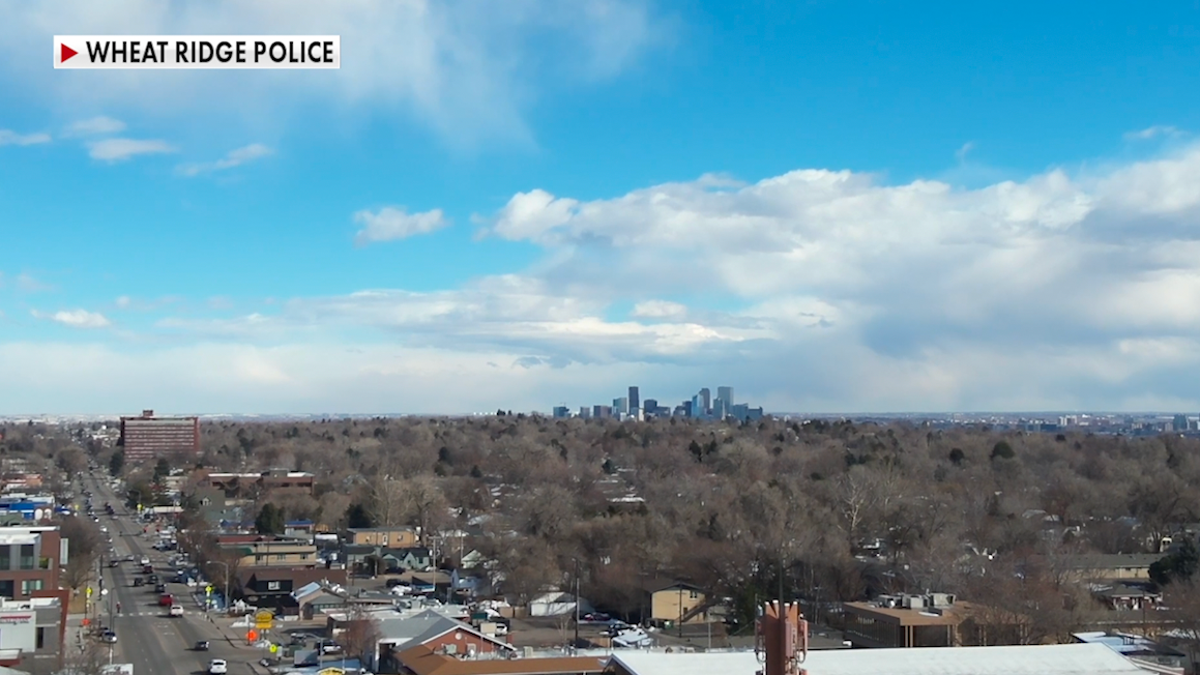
(83, 550)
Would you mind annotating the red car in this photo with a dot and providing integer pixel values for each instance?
(166, 600)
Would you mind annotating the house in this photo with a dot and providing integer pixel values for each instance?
(557, 603)
(414, 558)
(436, 631)
(425, 660)
(300, 529)
(355, 555)
(472, 560)
(387, 537)
(313, 605)
(1127, 596)
(677, 602)
(273, 588)
(930, 620)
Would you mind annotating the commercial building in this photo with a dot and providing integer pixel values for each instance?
(725, 395)
(635, 398)
(30, 558)
(262, 550)
(390, 537)
(31, 633)
(929, 620)
(1069, 659)
(148, 438)
(620, 406)
(251, 485)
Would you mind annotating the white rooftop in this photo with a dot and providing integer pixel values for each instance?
(1071, 659)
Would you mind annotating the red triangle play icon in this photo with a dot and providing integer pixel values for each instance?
(67, 53)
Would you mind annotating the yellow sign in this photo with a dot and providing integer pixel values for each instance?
(274, 648)
(263, 619)
(89, 591)
(208, 590)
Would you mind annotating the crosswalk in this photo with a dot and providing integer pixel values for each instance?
(164, 615)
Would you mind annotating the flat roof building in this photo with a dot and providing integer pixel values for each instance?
(148, 437)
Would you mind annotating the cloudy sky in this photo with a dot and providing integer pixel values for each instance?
(830, 206)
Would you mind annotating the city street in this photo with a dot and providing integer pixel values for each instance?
(146, 636)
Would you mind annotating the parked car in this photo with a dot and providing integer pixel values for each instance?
(329, 647)
(218, 667)
(201, 646)
(152, 579)
(109, 637)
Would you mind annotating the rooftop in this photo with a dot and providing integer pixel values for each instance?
(422, 660)
(1071, 659)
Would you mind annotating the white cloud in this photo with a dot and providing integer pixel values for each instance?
(659, 309)
(391, 223)
(95, 126)
(121, 149)
(9, 137)
(1150, 133)
(28, 283)
(233, 158)
(814, 290)
(76, 318)
(961, 153)
(469, 69)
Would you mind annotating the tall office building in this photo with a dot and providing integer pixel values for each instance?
(561, 411)
(725, 394)
(719, 410)
(585, 412)
(150, 438)
(699, 407)
(621, 406)
(651, 405)
(635, 399)
(706, 400)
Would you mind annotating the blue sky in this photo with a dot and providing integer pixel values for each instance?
(832, 206)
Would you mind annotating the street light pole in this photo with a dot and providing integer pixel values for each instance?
(575, 645)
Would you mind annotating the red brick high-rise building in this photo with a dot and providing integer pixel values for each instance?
(147, 438)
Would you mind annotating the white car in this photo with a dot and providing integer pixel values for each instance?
(145, 560)
(218, 667)
(176, 610)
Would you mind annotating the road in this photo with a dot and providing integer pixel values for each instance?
(155, 643)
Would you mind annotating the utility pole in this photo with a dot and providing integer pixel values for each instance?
(575, 645)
